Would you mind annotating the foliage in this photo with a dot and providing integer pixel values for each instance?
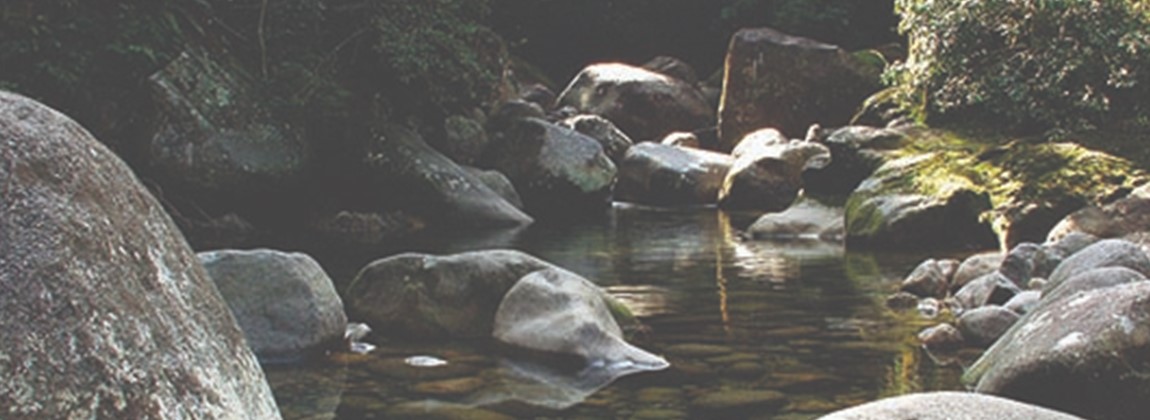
(1036, 64)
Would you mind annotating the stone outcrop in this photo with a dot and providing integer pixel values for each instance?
(284, 302)
(947, 405)
(106, 312)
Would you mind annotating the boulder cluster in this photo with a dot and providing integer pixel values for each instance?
(1065, 323)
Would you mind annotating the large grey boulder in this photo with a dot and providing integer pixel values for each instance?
(896, 209)
(976, 266)
(807, 218)
(1104, 253)
(1117, 219)
(403, 169)
(947, 405)
(644, 104)
(1097, 278)
(556, 170)
(214, 134)
(767, 172)
(1080, 354)
(559, 312)
(105, 310)
(659, 174)
(614, 141)
(772, 79)
(428, 296)
(284, 302)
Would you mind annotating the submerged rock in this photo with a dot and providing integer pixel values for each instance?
(557, 311)
(106, 312)
(284, 302)
(807, 218)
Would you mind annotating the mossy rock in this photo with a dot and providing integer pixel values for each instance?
(950, 190)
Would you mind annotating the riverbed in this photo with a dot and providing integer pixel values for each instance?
(753, 329)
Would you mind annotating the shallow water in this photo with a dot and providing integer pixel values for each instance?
(752, 329)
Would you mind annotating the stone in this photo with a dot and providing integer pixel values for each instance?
(215, 136)
(945, 405)
(931, 278)
(672, 67)
(902, 301)
(614, 141)
(284, 302)
(767, 175)
(463, 141)
(106, 312)
(644, 104)
(682, 139)
(984, 325)
(1079, 355)
(1023, 302)
(891, 211)
(556, 170)
(990, 289)
(1109, 221)
(557, 311)
(499, 183)
(657, 174)
(806, 218)
(976, 266)
(1104, 253)
(1018, 265)
(427, 297)
(402, 168)
(856, 152)
(942, 338)
(772, 79)
(362, 228)
(1093, 279)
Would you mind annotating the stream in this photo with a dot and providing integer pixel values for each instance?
(752, 329)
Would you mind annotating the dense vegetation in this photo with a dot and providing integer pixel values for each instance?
(1033, 64)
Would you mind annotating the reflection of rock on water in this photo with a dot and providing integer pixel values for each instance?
(780, 262)
(643, 300)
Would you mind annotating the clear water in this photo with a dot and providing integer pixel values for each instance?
(734, 317)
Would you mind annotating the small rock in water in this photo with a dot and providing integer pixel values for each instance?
(354, 332)
(929, 308)
(424, 361)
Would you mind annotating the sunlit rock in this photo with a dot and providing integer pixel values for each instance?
(614, 141)
(807, 218)
(644, 104)
(284, 302)
(658, 174)
(105, 310)
(1104, 253)
(559, 312)
(947, 405)
(767, 172)
(1080, 354)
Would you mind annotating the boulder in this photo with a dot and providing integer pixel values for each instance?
(892, 210)
(499, 183)
(983, 326)
(403, 169)
(767, 174)
(990, 289)
(1018, 265)
(772, 79)
(284, 302)
(942, 338)
(557, 311)
(658, 174)
(1104, 253)
(856, 152)
(355, 228)
(1023, 302)
(644, 104)
(946, 405)
(1053, 253)
(106, 312)
(1081, 355)
(556, 170)
(427, 297)
(805, 219)
(672, 67)
(215, 137)
(1097, 278)
(1113, 220)
(615, 143)
(463, 141)
(976, 266)
(931, 278)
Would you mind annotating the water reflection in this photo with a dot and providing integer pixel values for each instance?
(799, 317)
